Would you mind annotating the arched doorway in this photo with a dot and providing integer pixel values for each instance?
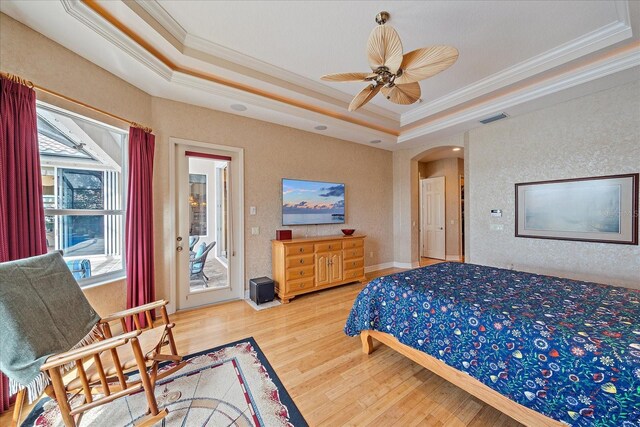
(406, 199)
(441, 205)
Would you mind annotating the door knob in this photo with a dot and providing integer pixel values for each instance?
(179, 249)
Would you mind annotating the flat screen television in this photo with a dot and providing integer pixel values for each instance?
(312, 202)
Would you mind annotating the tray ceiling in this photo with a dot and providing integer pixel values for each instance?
(280, 49)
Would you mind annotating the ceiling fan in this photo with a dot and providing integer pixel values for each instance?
(395, 74)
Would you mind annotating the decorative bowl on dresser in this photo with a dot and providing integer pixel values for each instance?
(305, 265)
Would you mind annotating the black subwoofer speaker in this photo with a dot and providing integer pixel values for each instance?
(261, 290)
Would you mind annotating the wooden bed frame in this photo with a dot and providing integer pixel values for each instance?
(466, 382)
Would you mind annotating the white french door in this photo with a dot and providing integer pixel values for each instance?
(432, 213)
(206, 206)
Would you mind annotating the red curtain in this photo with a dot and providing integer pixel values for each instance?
(139, 224)
(22, 230)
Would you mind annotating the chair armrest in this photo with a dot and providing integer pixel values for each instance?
(135, 310)
(88, 350)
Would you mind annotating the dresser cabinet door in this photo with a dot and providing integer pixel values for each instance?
(335, 267)
(322, 268)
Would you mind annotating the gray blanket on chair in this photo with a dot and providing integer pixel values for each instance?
(43, 311)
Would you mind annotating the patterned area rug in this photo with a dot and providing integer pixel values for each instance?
(231, 385)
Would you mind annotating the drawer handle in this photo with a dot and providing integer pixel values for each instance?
(301, 261)
(301, 273)
(301, 285)
(330, 246)
(301, 249)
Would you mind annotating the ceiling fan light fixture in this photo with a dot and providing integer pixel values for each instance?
(375, 141)
(320, 127)
(395, 73)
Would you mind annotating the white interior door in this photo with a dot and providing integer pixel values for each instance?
(203, 277)
(432, 227)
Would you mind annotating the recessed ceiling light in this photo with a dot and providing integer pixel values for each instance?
(238, 107)
(457, 149)
(375, 141)
(320, 127)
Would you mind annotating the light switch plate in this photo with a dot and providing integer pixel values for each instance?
(255, 230)
(252, 210)
(496, 227)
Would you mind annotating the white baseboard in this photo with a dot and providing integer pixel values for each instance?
(406, 264)
(246, 294)
(378, 267)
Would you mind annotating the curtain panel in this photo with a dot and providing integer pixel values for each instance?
(139, 224)
(22, 225)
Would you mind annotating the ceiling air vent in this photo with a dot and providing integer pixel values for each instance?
(494, 118)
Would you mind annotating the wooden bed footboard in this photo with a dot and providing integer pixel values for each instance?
(466, 382)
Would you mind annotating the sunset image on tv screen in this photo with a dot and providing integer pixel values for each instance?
(312, 202)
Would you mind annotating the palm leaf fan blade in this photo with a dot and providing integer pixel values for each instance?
(384, 49)
(364, 96)
(422, 63)
(404, 94)
(347, 77)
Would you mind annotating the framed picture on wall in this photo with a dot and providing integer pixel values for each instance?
(596, 209)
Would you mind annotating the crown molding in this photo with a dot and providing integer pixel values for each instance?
(203, 45)
(92, 20)
(190, 41)
(583, 45)
(186, 80)
(598, 39)
(588, 43)
(129, 42)
(621, 62)
(162, 17)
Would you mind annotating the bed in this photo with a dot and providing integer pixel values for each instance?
(541, 349)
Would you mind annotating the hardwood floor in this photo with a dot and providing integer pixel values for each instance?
(424, 261)
(329, 378)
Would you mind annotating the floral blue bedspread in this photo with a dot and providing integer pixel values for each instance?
(565, 348)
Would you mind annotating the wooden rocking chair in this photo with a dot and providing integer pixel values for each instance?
(101, 367)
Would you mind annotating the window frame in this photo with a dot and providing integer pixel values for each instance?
(70, 163)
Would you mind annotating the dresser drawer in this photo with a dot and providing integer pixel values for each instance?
(352, 243)
(299, 285)
(350, 264)
(353, 253)
(299, 273)
(328, 246)
(356, 274)
(304, 248)
(299, 261)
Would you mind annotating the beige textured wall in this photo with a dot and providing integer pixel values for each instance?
(274, 152)
(451, 170)
(594, 135)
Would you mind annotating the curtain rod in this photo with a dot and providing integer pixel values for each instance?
(17, 79)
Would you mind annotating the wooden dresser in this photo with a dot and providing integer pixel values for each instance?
(305, 265)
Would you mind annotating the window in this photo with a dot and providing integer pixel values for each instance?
(83, 166)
